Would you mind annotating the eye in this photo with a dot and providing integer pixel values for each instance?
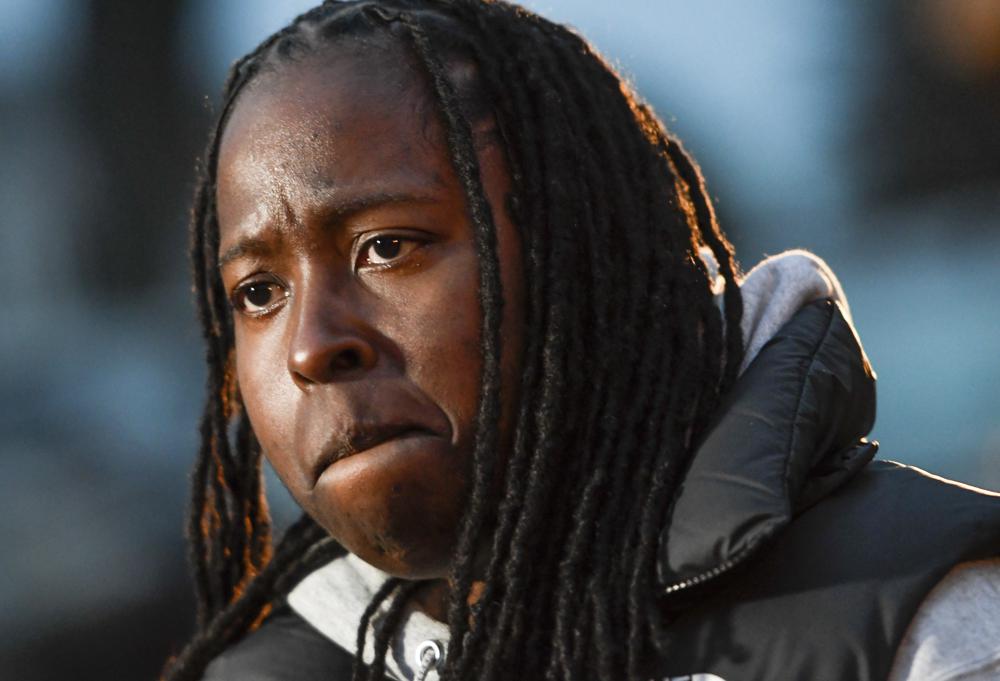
(256, 298)
(383, 251)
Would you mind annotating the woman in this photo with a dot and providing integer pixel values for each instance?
(463, 290)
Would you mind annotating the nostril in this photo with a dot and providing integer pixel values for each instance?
(324, 358)
(347, 359)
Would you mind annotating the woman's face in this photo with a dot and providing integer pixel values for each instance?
(350, 261)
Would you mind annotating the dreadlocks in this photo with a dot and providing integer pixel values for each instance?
(625, 358)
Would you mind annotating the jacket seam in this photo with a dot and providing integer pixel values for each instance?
(792, 438)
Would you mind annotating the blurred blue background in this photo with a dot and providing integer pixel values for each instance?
(867, 132)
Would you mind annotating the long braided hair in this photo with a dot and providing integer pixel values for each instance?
(626, 357)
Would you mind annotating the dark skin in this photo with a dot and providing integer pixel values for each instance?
(346, 249)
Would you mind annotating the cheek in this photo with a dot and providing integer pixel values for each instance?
(439, 330)
(270, 400)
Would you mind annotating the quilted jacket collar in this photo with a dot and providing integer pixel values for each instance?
(789, 433)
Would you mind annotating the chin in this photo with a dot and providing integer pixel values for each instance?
(400, 552)
(398, 508)
(399, 562)
(405, 536)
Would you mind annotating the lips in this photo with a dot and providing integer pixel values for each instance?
(362, 437)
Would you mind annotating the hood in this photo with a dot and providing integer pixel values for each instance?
(786, 435)
(789, 432)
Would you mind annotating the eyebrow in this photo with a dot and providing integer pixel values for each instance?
(250, 246)
(332, 212)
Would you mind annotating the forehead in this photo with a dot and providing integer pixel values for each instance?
(332, 84)
(345, 118)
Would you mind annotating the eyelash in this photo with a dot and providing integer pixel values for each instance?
(239, 300)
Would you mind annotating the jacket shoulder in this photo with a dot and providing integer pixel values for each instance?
(833, 595)
(284, 648)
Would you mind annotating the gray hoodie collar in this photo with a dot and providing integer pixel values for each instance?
(333, 598)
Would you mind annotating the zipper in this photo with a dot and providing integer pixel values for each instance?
(429, 655)
(719, 569)
(703, 577)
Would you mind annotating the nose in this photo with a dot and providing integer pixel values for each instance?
(329, 342)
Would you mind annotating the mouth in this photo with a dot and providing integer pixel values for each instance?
(365, 437)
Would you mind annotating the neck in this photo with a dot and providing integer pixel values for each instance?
(434, 597)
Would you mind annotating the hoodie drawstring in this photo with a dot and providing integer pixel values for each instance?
(429, 655)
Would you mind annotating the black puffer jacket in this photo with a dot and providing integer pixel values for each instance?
(789, 554)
